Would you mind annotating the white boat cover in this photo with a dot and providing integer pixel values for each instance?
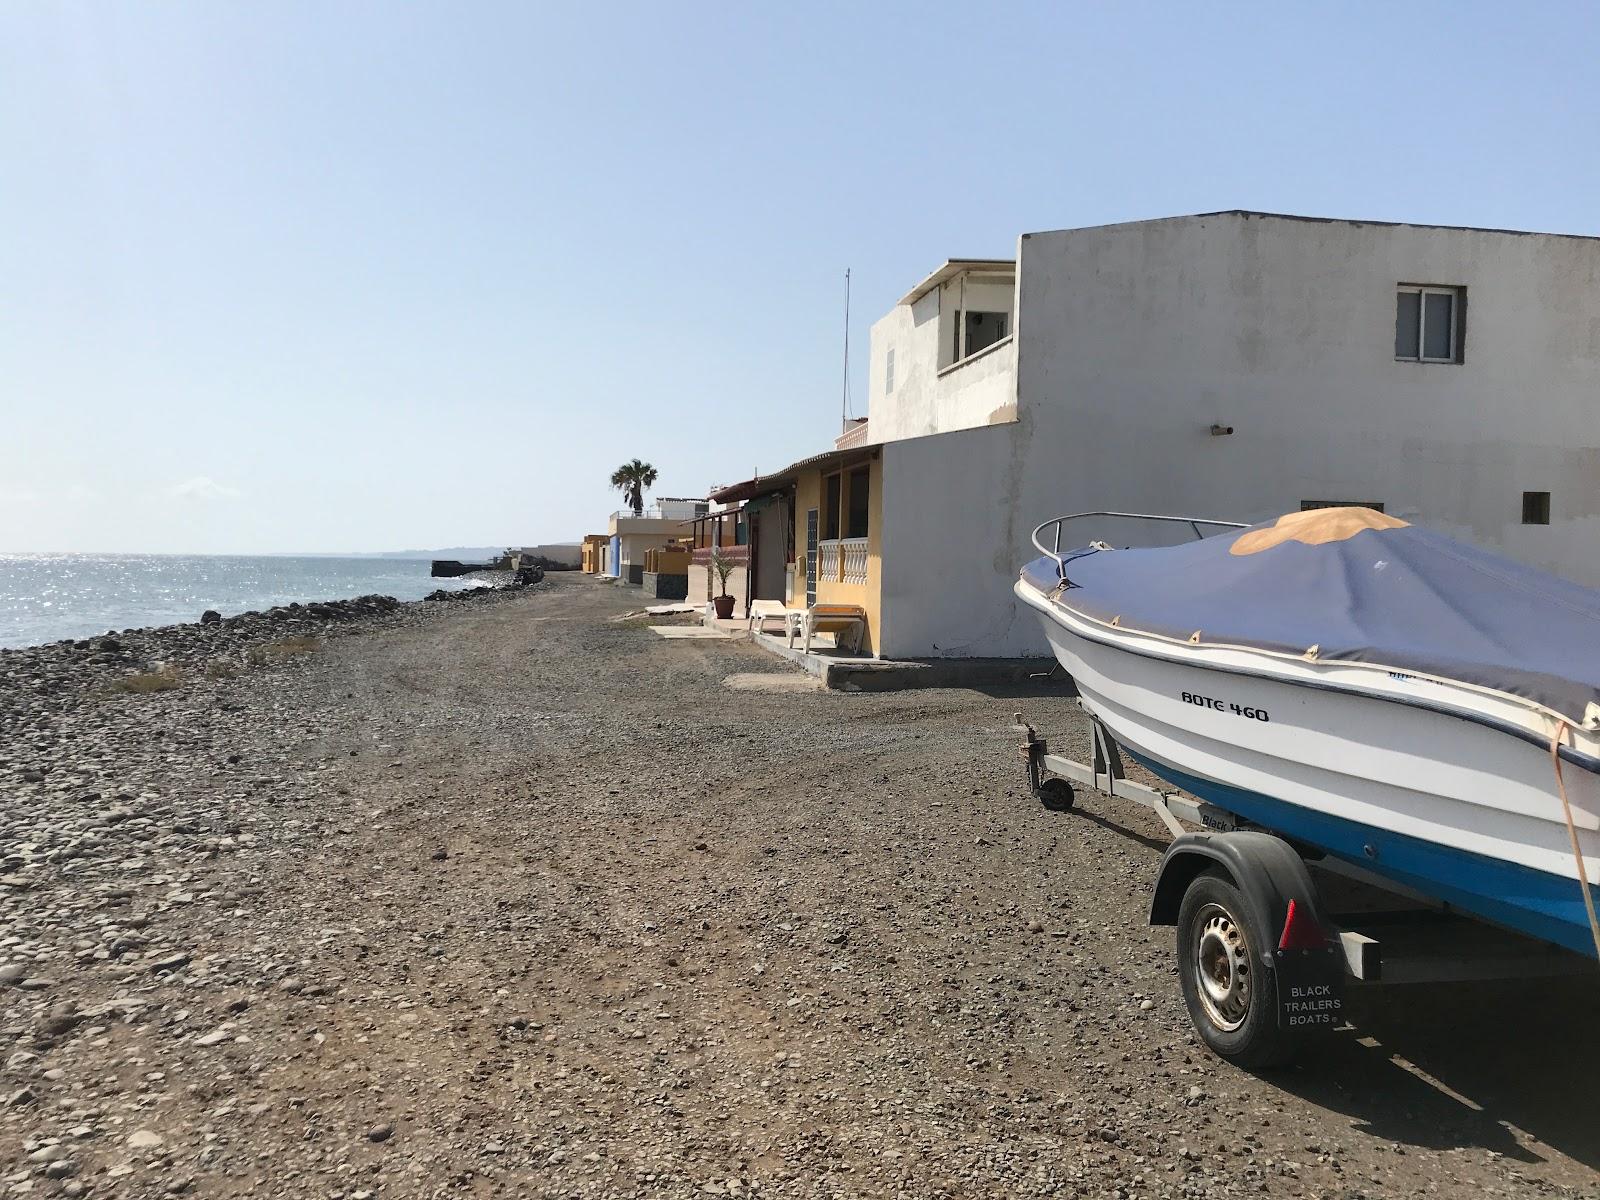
(1354, 585)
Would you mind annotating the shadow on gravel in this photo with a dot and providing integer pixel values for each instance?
(1056, 687)
(1446, 1066)
(1079, 812)
(1428, 1067)
(1481, 1057)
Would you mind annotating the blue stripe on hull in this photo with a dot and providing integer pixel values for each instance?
(1534, 902)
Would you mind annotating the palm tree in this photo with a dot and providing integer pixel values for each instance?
(631, 478)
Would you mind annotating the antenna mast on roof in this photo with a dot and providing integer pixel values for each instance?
(844, 407)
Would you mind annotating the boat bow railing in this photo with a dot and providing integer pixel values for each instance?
(1053, 550)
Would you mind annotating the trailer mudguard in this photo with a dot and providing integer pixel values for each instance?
(1304, 956)
(1265, 868)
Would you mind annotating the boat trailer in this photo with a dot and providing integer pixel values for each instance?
(1241, 896)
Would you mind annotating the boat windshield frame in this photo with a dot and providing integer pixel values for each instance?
(1053, 551)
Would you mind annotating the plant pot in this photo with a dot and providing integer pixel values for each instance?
(724, 607)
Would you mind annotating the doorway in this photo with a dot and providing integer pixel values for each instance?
(768, 551)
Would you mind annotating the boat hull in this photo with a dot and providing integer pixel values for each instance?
(1440, 804)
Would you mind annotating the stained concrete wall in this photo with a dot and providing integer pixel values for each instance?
(952, 520)
(930, 396)
(1133, 340)
(1140, 337)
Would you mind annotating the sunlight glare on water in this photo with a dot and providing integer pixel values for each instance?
(48, 597)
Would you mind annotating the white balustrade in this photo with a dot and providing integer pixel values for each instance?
(843, 560)
(855, 560)
(827, 562)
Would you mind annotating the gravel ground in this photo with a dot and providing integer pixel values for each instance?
(510, 897)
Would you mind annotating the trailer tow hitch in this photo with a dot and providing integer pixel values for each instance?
(1051, 791)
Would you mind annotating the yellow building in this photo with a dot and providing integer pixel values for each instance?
(594, 553)
(814, 531)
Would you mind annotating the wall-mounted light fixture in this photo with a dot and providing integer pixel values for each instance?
(1221, 430)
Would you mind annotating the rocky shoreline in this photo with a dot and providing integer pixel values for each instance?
(146, 777)
(36, 681)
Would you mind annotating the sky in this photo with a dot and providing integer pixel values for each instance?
(342, 276)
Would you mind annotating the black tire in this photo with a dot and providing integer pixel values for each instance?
(1056, 795)
(1237, 1014)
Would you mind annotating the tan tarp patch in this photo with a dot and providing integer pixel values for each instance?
(1314, 527)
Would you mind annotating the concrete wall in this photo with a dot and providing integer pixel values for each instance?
(953, 536)
(703, 587)
(667, 561)
(668, 586)
(770, 537)
(570, 553)
(663, 526)
(1142, 336)
(929, 395)
(676, 509)
(1133, 340)
(632, 547)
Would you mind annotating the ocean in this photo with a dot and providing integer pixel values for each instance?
(47, 597)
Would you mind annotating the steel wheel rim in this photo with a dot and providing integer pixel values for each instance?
(1221, 966)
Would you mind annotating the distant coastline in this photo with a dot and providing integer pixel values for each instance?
(50, 597)
(463, 553)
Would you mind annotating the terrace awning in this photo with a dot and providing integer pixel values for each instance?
(762, 484)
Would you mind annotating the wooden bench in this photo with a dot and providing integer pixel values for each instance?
(833, 618)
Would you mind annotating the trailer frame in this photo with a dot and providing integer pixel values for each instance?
(1420, 940)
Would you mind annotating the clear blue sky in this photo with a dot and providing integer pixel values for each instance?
(324, 276)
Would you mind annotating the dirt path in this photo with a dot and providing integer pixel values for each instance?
(525, 901)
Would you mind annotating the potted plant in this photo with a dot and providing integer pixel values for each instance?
(723, 566)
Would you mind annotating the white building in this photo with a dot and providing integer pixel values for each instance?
(670, 518)
(1235, 365)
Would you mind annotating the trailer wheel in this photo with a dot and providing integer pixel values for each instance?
(1228, 993)
(1056, 795)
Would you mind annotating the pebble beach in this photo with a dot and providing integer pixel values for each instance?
(508, 896)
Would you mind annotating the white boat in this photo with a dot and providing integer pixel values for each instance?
(1360, 686)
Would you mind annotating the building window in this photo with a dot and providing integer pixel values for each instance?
(983, 329)
(1308, 505)
(860, 494)
(831, 487)
(888, 372)
(1427, 323)
(741, 530)
(1536, 508)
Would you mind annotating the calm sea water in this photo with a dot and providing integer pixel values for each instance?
(47, 597)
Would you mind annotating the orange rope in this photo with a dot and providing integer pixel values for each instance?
(1572, 833)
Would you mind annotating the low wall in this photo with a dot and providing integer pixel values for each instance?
(666, 586)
